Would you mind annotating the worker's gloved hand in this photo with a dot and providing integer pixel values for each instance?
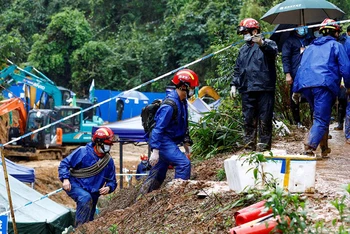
(233, 92)
(66, 185)
(154, 157)
(104, 190)
(258, 40)
(348, 91)
(296, 97)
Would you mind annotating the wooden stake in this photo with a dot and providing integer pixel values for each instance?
(8, 191)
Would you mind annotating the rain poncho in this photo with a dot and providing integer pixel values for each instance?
(165, 137)
(323, 65)
(255, 67)
(255, 77)
(291, 54)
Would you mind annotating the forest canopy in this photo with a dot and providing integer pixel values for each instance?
(121, 44)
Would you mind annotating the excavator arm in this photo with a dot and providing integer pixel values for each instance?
(15, 104)
(14, 73)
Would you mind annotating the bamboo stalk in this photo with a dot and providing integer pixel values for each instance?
(8, 191)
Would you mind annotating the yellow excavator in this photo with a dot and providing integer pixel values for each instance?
(206, 91)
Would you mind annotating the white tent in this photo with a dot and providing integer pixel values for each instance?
(44, 216)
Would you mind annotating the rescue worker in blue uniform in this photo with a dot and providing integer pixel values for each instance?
(255, 78)
(169, 132)
(292, 52)
(323, 65)
(143, 167)
(345, 41)
(89, 172)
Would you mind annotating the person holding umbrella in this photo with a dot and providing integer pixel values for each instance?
(255, 77)
(292, 51)
(318, 78)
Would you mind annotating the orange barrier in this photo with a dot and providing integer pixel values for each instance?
(252, 215)
(264, 227)
(250, 208)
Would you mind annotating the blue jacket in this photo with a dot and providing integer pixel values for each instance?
(166, 127)
(324, 63)
(83, 157)
(344, 39)
(291, 55)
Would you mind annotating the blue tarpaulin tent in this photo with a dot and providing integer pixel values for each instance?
(128, 131)
(21, 173)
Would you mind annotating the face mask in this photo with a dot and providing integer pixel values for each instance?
(190, 93)
(317, 34)
(301, 31)
(247, 37)
(107, 148)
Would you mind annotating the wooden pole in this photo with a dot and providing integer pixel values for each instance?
(8, 191)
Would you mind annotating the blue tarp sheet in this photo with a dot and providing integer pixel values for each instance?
(127, 130)
(21, 173)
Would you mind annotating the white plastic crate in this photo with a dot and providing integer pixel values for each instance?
(295, 173)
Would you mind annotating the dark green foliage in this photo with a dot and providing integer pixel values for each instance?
(220, 131)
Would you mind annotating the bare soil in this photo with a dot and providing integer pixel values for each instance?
(187, 206)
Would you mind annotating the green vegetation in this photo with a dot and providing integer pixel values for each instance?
(122, 44)
(291, 208)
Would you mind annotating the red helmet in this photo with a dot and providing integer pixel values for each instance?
(247, 23)
(331, 27)
(104, 135)
(144, 157)
(186, 76)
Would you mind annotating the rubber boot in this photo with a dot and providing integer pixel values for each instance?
(308, 150)
(325, 150)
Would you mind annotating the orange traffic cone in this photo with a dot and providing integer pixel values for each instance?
(264, 227)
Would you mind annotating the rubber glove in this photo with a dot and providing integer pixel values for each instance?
(258, 40)
(296, 97)
(154, 157)
(233, 92)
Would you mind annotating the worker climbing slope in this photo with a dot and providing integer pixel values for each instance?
(170, 131)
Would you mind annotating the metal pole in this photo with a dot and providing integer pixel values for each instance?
(8, 191)
(121, 163)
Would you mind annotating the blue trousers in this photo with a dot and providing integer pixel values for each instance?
(347, 121)
(169, 154)
(86, 204)
(321, 99)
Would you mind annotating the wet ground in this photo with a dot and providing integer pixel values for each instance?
(334, 172)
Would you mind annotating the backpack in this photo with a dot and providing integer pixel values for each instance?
(149, 112)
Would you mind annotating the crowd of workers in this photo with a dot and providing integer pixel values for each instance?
(314, 68)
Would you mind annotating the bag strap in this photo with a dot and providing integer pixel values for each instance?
(92, 170)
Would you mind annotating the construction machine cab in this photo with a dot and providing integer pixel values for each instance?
(37, 119)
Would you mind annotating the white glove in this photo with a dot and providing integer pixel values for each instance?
(233, 92)
(258, 40)
(296, 97)
(154, 157)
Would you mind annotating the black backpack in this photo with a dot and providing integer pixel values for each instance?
(149, 112)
